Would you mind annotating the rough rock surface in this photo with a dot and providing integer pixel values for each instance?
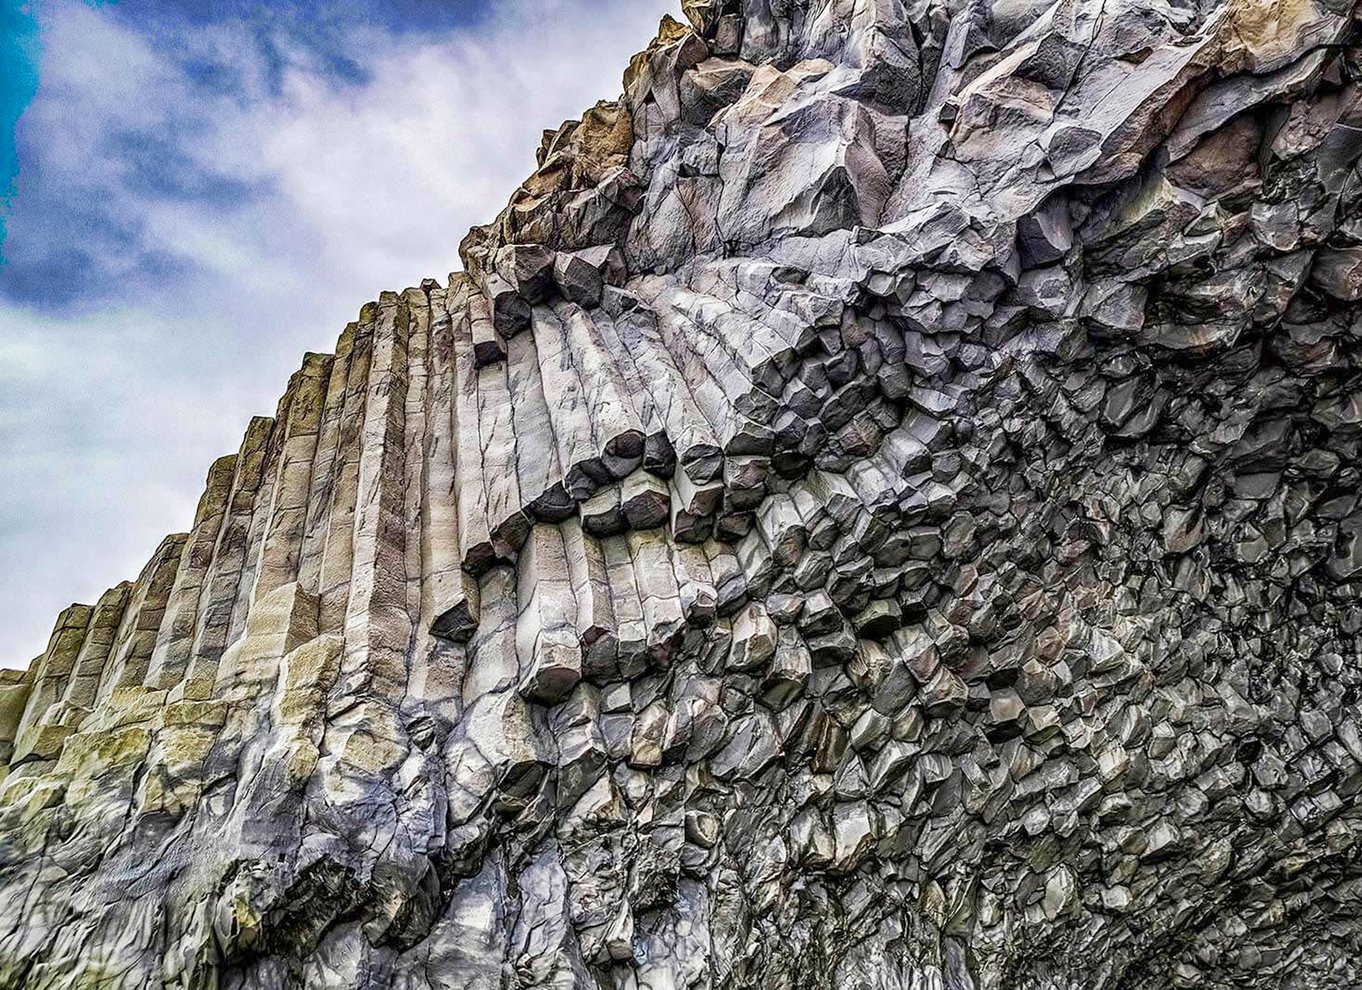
(879, 509)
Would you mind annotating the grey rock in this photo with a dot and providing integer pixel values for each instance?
(879, 507)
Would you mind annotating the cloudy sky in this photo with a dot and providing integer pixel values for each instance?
(194, 193)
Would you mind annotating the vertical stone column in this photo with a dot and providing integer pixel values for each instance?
(175, 639)
(128, 663)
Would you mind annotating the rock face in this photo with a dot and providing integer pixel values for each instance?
(879, 509)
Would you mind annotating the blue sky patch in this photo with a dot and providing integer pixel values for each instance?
(19, 52)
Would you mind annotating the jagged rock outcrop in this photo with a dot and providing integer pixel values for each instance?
(878, 509)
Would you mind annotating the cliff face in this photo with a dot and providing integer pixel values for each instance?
(879, 509)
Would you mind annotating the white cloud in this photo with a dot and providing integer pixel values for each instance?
(109, 420)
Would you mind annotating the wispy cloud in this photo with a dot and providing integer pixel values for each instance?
(204, 194)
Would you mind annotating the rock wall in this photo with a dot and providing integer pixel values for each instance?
(878, 509)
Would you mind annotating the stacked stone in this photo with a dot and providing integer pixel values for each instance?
(878, 508)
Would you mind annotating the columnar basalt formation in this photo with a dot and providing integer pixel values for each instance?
(878, 509)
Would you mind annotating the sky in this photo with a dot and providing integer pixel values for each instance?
(193, 193)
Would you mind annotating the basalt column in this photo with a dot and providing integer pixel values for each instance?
(878, 509)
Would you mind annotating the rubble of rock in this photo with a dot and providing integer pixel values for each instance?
(878, 509)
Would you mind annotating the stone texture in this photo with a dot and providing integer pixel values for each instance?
(879, 508)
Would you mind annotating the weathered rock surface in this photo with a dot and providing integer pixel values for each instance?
(879, 509)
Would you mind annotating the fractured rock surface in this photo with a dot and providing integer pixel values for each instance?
(878, 509)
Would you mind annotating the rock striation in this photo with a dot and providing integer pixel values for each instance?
(878, 509)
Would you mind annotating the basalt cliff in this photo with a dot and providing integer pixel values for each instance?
(878, 509)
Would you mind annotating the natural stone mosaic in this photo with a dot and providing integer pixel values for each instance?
(879, 509)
